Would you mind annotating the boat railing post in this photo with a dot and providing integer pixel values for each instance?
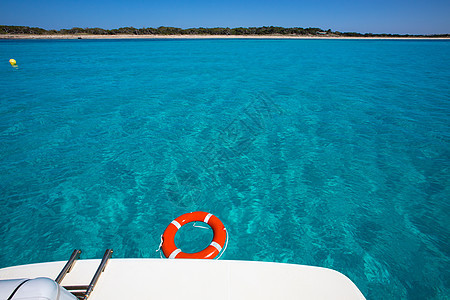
(69, 265)
(101, 268)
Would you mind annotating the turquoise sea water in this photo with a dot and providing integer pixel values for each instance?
(332, 153)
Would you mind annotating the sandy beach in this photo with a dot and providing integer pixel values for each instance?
(131, 36)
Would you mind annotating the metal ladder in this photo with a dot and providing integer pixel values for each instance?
(82, 292)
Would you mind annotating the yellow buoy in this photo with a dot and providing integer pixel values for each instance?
(13, 62)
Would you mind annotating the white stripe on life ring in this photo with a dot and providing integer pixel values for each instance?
(174, 253)
(208, 216)
(176, 224)
(217, 246)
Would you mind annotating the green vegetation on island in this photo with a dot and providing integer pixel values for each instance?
(265, 30)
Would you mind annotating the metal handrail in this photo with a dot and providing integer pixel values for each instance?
(69, 265)
(101, 268)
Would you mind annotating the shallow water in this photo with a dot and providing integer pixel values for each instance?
(322, 152)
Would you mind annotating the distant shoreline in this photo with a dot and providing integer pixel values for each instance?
(151, 36)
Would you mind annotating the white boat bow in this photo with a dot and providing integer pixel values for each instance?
(196, 279)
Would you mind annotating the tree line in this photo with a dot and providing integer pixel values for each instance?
(162, 30)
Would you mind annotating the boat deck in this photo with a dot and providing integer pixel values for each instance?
(197, 279)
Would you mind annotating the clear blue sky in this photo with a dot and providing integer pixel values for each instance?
(376, 16)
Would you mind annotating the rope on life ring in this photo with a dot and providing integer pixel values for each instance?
(220, 236)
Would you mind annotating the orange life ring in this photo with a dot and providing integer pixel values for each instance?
(169, 248)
